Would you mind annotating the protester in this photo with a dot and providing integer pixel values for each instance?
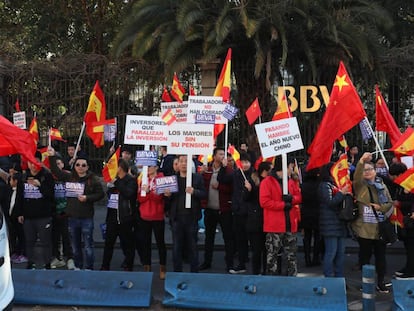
(371, 194)
(166, 162)
(217, 212)
(151, 207)
(15, 206)
(85, 189)
(69, 159)
(37, 212)
(381, 168)
(333, 230)
(121, 215)
(239, 208)
(60, 228)
(310, 219)
(254, 223)
(280, 220)
(404, 202)
(184, 220)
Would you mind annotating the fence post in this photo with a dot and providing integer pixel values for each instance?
(368, 288)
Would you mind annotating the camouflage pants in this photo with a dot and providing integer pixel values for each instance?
(274, 243)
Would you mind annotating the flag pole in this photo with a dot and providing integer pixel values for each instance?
(78, 142)
(226, 137)
(376, 143)
(49, 140)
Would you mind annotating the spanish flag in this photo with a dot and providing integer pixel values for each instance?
(282, 110)
(235, 155)
(34, 130)
(55, 135)
(95, 112)
(177, 90)
(397, 217)
(406, 180)
(405, 144)
(168, 117)
(224, 81)
(45, 156)
(340, 172)
(342, 141)
(110, 169)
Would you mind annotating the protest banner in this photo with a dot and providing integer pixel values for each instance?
(145, 130)
(19, 119)
(178, 109)
(207, 105)
(279, 137)
(190, 139)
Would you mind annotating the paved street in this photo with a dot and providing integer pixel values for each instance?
(353, 277)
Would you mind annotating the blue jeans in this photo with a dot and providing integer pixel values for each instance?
(82, 229)
(333, 259)
(184, 230)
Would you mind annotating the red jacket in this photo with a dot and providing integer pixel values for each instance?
(151, 206)
(275, 219)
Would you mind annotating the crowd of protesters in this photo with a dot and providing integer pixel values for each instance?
(259, 221)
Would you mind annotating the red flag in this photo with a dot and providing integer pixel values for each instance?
(406, 180)
(384, 120)
(253, 112)
(344, 111)
(34, 130)
(168, 117)
(235, 155)
(17, 105)
(95, 112)
(110, 169)
(405, 144)
(192, 91)
(14, 140)
(282, 110)
(55, 134)
(177, 90)
(224, 81)
(166, 97)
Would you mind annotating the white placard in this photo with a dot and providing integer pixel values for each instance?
(19, 119)
(145, 130)
(191, 139)
(206, 105)
(178, 109)
(278, 137)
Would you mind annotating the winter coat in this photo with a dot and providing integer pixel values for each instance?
(151, 206)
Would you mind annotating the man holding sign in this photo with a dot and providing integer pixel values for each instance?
(184, 221)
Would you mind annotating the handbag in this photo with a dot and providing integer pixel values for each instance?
(348, 210)
(387, 231)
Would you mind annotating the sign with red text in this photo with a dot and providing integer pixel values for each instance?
(188, 138)
(206, 105)
(19, 119)
(278, 137)
(145, 130)
(178, 109)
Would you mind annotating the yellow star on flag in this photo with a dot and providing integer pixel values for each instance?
(340, 82)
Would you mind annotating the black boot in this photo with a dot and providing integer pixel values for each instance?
(317, 251)
(307, 251)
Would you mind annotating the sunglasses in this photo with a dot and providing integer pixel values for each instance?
(83, 165)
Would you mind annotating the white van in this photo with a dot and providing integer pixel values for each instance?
(6, 283)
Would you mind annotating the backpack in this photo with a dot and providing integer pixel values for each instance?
(348, 210)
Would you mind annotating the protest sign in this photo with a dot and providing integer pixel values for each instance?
(279, 137)
(146, 158)
(74, 189)
(145, 130)
(191, 139)
(178, 109)
(207, 105)
(166, 182)
(19, 119)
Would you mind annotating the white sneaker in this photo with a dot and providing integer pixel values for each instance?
(71, 264)
(56, 263)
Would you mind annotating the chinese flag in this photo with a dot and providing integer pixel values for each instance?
(168, 117)
(384, 120)
(340, 172)
(405, 144)
(235, 155)
(34, 130)
(192, 91)
(406, 180)
(253, 112)
(344, 111)
(95, 112)
(17, 105)
(177, 90)
(14, 140)
(166, 97)
(55, 134)
(224, 81)
(110, 169)
(282, 110)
